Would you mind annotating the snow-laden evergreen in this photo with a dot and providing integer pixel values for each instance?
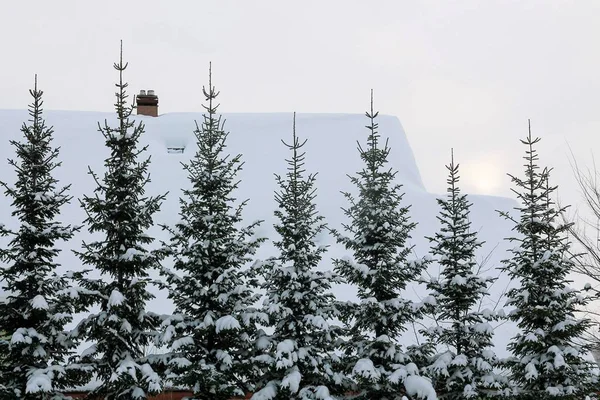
(463, 366)
(119, 214)
(548, 360)
(38, 301)
(212, 331)
(299, 357)
(377, 235)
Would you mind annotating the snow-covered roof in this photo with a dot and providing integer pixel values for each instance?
(331, 151)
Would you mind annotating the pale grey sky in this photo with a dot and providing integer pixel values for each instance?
(465, 74)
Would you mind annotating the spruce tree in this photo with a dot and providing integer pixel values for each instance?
(299, 356)
(377, 236)
(39, 301)
(464, 368)
(119, 213)
(547, 360)
(212, 330)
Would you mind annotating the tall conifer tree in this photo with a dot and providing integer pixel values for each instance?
(547, 359)
(464, 369)
(119, 213)
(212, 330)
(299, 359)
(39, 301)
(377, 235)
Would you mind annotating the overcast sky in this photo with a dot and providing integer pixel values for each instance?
(462, 74)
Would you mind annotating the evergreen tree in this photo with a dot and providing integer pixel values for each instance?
(464, 369)
(119, 214)
(378, 232)
(547, 361)
(39, 301)
(214, 325)
(299, 357)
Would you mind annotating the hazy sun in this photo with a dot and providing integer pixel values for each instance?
(482, 177)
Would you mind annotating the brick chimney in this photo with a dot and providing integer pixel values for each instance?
(147, 103)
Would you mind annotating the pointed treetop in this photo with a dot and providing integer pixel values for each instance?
(119, 66)
(530, 141)
(373, 137)
(295, 141)
(35, 109)
(294, 128)
(35, 92)
(210, 94)
(452, 167)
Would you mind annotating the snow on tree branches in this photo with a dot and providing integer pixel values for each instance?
(35, 349)
(463, 367)
(377, 235)
(120, 213)
(213, 328)
(547, 360)
(299, 356)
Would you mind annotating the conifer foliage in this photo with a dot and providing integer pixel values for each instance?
(119, 214)
(212, 330)
(299, 357)
(377, 235)
(464, 367)
(39, 301)
(547, 361)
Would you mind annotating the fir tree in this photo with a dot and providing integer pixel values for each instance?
(39, 301)
(464, 369)
(300, 354)
(547, 361)
(378, 232)
(212, 330)
(119, 214)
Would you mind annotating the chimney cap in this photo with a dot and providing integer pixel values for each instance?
(150, 92)
(142, 92)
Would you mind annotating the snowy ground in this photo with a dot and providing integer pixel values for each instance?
(331, 151)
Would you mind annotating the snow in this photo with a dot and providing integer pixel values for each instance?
(322, 392)
(460, 359)
(226, 323)
(531, 371)
(292, 381)
(38, 382)
(257, 137)
(365, 368)
(26, 335)
(267, 393)
(89, 351)
(39, 303)
(184, 341)
(286, 346)
(421, 387)
(115, 299)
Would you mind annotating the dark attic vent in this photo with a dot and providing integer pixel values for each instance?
(175, 150)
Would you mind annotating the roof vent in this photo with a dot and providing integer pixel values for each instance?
(175, 150)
